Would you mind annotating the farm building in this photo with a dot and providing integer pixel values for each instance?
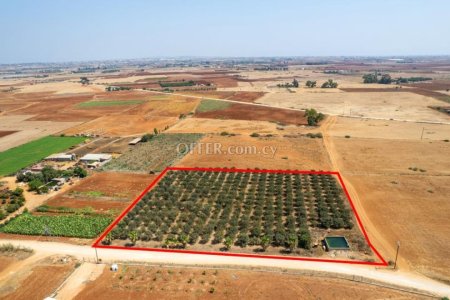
(135, 141)
(91, 158)
(61, 157)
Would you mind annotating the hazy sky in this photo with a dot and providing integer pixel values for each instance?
(46, 31)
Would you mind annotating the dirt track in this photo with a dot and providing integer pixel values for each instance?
(398, 278)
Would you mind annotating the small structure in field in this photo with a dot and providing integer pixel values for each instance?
(114, 267)
(135, 141)
(61, 157)
(59, 181)
(336, 243)
(92, 158)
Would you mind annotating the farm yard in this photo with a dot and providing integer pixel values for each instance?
(14, 159)
(155, 155)
(252, 211)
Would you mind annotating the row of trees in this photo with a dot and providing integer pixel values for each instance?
(242, 209)
(330, 83)
(387, 79)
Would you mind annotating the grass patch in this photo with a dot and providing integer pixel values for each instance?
(68, 225)
(155, 155)
(14, 159)
(212, 105)
(10, 248)
(90, 104)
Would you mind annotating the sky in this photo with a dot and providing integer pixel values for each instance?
(63, 30)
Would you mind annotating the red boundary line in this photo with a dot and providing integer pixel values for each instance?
(157, 179)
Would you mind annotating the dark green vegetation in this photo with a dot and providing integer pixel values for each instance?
(14, 159)
(155, 155)
(329, 84)
(294, 84)
(313, 117)
(167, 84)
(67, 225)
(212, 105)
(10, 201)
(243, 209)
(311, 83)
(387, 79)
(40, 182)
(91, 104)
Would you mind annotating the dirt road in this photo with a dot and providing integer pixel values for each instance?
(387, 250)
(399, 278)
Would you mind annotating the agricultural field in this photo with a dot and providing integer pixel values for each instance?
(90, 104)
(103, 192)
(154, 155)
(14, 159)
(216, 109)
(259, 212)
(61, 225)
(158, 282)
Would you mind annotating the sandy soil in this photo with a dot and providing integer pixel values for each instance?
(27, 130)
(200, 125)
(384, 105)
(392, 130)
(399, 202)
(197, 283)
(290, 153)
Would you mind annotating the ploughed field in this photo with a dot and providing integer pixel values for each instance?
(221, 210)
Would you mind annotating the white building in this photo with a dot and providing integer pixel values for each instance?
(61, 157)
(100, 157)
(135, 141)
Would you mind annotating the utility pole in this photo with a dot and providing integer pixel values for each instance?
(396, 255)
(96, 255)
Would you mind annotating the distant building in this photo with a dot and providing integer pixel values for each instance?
(135, 141)
(92, 158)
(59, 181)
(61, 157)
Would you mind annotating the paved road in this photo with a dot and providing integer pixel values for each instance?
(110, 255)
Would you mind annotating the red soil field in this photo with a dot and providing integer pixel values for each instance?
(103, 191)
(5, 133)
(238, 111)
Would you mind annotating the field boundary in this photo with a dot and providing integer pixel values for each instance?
(382, 262)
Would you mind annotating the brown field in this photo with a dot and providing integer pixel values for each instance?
(244, 96)
(139, 282)
(200, 125)
(290, 153)
(40, 281)
(391, 130)
(103, 191)
(399, 201)
(238, 111)
(384, 105)
(27, 130)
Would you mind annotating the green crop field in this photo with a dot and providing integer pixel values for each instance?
(212, 105)
(69, 226)
(14, 159)
(90, 104)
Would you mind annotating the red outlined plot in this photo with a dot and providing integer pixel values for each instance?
(382, 262)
